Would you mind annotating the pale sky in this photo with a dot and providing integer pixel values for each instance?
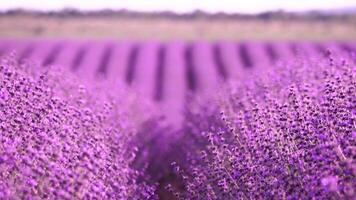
(245, 6)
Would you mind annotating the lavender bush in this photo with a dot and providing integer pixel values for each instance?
(60, 141)
(286, 134)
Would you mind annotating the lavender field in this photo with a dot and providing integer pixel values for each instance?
(166, 71)
(222, 119)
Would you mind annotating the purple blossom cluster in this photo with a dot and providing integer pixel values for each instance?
(60, 141)
(289, 133)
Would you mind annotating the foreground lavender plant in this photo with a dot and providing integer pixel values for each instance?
(289, 134)
(58, 141)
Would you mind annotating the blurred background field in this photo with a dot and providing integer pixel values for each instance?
(169, 26)
(166, 55)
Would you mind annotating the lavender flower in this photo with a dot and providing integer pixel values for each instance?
(60, 141)
(286, 134)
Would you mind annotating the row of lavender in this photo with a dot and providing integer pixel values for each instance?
(289, 133)
(62, 140)
(166, 71)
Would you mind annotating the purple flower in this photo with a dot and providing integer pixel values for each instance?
(286, 134)
(59, 141)
(330, 183)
